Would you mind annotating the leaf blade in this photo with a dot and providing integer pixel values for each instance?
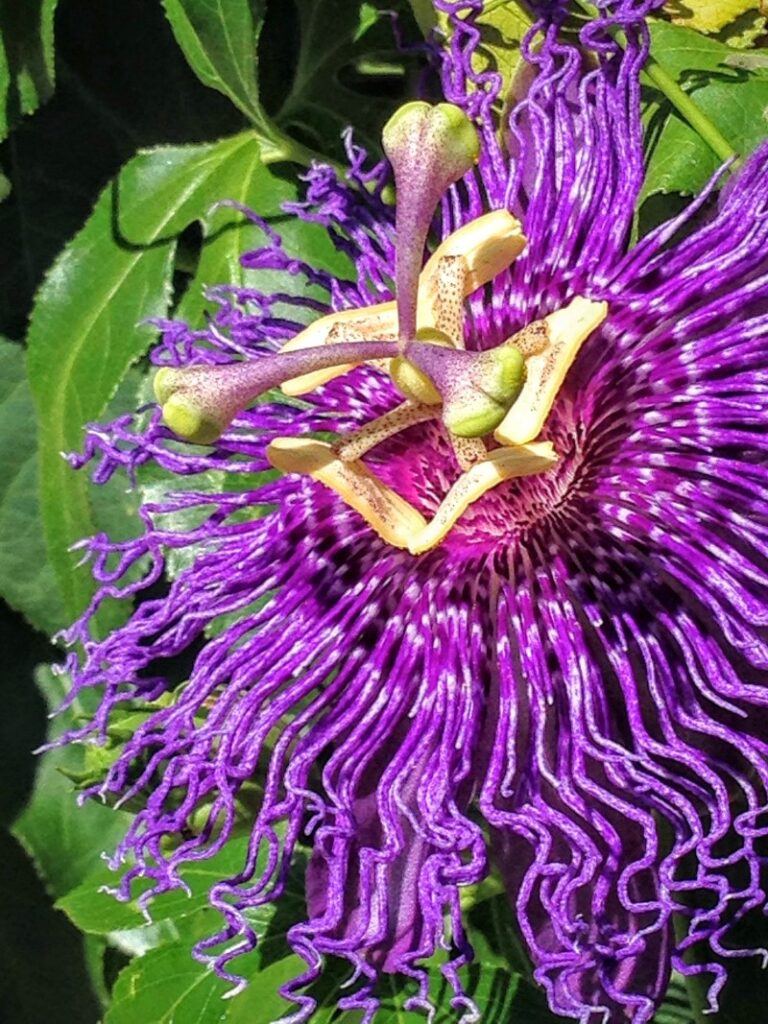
(69, 388)
(735, 101)
(82, 339)
(26, 59)
(166, 986)
(27, 581)
(64, 841)
(220, 46)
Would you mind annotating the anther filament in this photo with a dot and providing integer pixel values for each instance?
(503, 394)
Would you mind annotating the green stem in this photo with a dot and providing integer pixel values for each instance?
(679, 99)
(695, 117)
(276, 146)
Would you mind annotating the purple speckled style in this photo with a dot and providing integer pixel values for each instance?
(574, 682)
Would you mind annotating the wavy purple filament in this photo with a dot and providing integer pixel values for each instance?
(583, 663)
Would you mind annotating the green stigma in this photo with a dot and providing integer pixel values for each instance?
(497, 383)
(189, 422)
(429, 148)
(444, 129)
(503, 374)
(185, 416)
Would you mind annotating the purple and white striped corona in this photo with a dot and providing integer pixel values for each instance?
(441, 648)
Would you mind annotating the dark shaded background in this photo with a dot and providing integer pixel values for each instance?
(121, 84)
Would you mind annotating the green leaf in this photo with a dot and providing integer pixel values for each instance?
(676, 1008)
(746, 30)
(228, 234)
(707, 15)
(26, 58)
(95, 949)
(83, 336)
(166, 986)
(82, 339)
(27, 581)
(98, 912)
(261, 1000)
(65, 841)
(500, 996)
(219, 39)
(501, 955)
(688, 56)
(492, 931)
(347, 52)
(679, 159)
(425, 15)
(494, 981)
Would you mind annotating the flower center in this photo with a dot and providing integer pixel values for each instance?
(418, 339)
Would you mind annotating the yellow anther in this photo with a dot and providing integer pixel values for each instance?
(395, 520)
(468, 450)
(501, 464)
(370, 322)
(486, 246)
(443, 308)
(567, 331)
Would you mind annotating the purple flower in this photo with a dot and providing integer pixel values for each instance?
(570, 682)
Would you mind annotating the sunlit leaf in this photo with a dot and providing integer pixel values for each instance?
(228, 233)
(261, 1000)
(27, 581)
(82, 339)
(707, 15)
(502, 28)
(747, 30)
(65, 841)
(689, 57)
(679, 159)
(166, 986)
(165, 980)
(84, 335)
(96, 911)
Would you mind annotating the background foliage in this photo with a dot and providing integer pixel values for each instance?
(123, 122)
